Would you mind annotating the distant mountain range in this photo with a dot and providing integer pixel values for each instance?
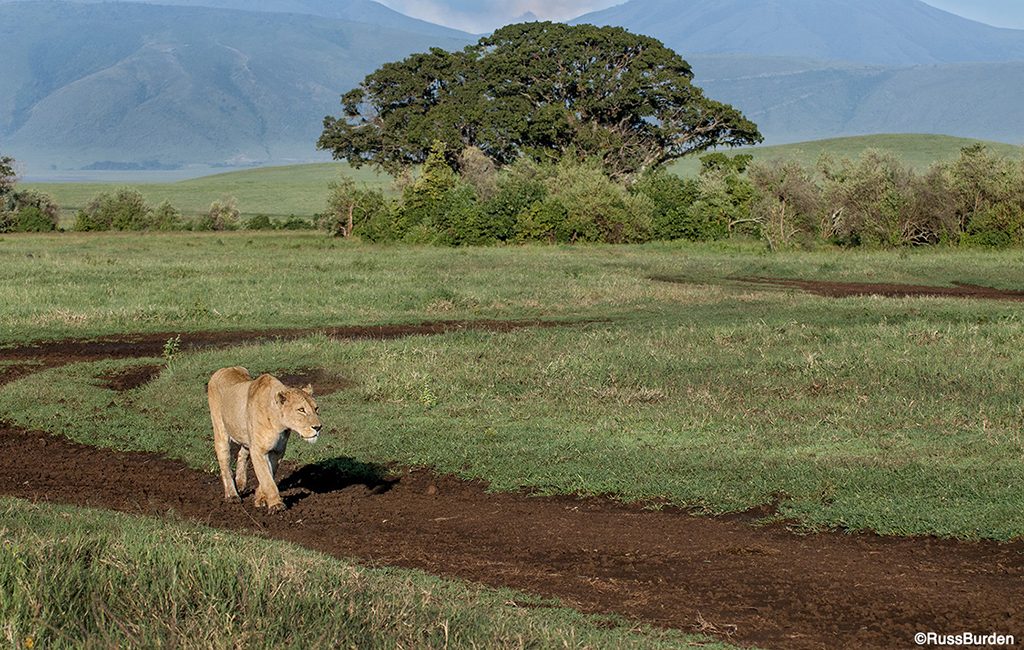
(1004, 13)
(881, 32)
(91, 83)
(139, 82)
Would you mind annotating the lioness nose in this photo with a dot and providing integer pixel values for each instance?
(318, 427)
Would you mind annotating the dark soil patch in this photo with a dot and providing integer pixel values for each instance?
(849, 289)
(323, 382)
(830, 289)
(125, 379)
(757, 585)
(64, 351)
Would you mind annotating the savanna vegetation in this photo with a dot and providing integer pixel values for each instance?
(137, 582)
(895, 415)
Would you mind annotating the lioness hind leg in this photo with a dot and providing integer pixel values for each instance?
(242, 469)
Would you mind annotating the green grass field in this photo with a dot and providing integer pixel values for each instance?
(900, 416)
(132, 582)
(274, 191)
(302, 189)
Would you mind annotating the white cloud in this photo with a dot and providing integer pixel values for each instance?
(480, 16)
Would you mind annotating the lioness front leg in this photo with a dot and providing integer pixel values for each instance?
(267, 493)
(222, 446)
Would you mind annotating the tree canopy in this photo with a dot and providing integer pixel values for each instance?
(536, 89)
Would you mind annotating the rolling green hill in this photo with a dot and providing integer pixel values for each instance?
(274, 191)
(302, 189)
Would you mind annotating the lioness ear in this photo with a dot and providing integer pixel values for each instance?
(308, 389)
(282, 398)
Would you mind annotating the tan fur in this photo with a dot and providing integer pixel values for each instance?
(255, 417)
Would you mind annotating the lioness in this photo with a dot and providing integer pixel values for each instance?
(255, 417)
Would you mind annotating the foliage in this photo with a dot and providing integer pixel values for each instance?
(787, 203)
(672, 198)
(166, 217)
(259, 222)
(519, 188)
(222, 215)
(585, 205)
(438, 207)
(724, 196)
(26, 210)
(124, 209)
(988, 195)
(538, 89)
(353, 210)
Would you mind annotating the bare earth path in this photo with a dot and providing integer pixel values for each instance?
(759, 585)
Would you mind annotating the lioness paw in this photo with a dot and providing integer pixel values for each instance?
(277, 507)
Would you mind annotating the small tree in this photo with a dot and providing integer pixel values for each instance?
(787, 203)
(869, 200)
(350, 207)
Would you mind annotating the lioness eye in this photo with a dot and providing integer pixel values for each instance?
(302, 410)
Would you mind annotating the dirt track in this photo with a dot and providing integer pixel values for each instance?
(755, 585)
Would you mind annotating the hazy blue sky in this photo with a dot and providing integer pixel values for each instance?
(484, 15)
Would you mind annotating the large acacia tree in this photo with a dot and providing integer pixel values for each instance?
(538, 89)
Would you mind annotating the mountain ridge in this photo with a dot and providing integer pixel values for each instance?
(882, 32)
(151, 84)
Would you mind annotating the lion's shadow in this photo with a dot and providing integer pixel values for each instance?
(336, 474)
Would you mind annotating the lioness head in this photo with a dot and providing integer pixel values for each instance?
(300, 413)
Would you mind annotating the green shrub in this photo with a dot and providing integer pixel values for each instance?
(32, 219)
(518, 190)
(597, 209)
(672, 198)
(222, 215)
(787, 204)
(297, 223)
(368, 209)
(999, 226)
(166, 217)
(125, 209)
(259, 222)
(28, 211)
(541, 221)
(871, 200)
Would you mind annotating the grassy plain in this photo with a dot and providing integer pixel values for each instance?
(302, 189)
(274, 191)
(135, 582)
(901, 416)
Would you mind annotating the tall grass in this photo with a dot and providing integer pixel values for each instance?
(76, 578)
